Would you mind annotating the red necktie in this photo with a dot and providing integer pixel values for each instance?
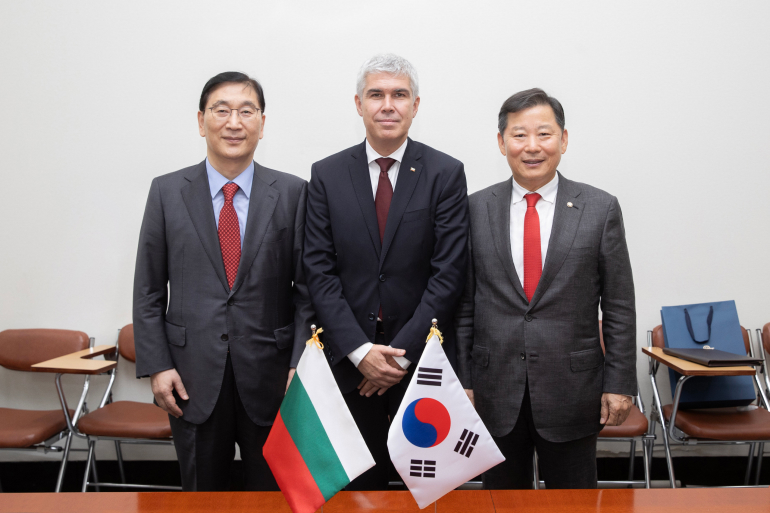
(230, 234)
(533, 263)
(382, 198)
(384, 194)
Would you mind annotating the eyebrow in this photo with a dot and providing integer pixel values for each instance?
(399, 90)
(244, 104)
(547, 125)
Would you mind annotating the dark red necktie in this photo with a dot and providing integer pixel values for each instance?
(230, 234)
(384, 194)
(533, 263)
(382, 198)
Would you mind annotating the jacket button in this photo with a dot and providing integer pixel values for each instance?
(527, 318)
(382, 277)
(371, 316)
(230, 302)
(225, 338)
(523, 356)
(331, 358)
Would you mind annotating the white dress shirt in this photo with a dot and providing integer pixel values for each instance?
(374, 173)
(545, 210)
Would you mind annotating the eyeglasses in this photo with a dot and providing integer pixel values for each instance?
(247, 113)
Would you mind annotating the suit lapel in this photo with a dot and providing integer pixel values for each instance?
(405, 185)
(262, 203)
(362, 184)
(197, 198)
(499, 210)
(565, 223)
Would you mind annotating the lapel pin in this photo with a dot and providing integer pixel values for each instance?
(411, 169)
(569, 204)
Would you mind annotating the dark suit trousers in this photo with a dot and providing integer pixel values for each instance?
(562, 465)
(206, 451)
(372, 416)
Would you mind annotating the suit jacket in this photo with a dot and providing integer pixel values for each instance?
(185, 315)
(416, 274)
(551, 342)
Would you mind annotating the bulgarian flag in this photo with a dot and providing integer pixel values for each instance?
(314, 448)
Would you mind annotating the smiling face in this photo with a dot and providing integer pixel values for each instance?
(231, 141)
(387, 106)
(533, 144)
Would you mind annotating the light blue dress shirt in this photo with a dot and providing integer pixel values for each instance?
(241, 198)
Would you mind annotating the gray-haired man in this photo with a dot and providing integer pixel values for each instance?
(385, 252)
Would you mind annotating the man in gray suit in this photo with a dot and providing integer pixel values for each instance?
(221, 310)
(546, 253)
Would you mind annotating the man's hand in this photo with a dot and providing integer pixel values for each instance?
(378, 366)
(368, 388)
(469, 393)
(291, 375)
(163, 384)
(615, 409)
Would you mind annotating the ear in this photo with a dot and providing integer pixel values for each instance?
(416, 106)
(201, 127)
(564, 140)
(501, 144)
(359, 106)
(262, 127)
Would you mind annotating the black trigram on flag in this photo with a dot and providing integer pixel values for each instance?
(466, 443)
(427, 376)
(420, 468)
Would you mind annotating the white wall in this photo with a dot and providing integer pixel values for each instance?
(666, 104)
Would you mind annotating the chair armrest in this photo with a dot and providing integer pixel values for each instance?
(695, 369)
(79, 362)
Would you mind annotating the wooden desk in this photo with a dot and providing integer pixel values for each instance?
(722, 500)
(695, 369)
(79, 362)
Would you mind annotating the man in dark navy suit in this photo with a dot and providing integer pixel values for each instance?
(385, 252)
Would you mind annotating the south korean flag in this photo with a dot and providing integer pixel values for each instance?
(437, 440)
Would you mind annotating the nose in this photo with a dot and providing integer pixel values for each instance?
(387, 104)
(532, 144)
(234, 120)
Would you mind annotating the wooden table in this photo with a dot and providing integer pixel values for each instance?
(80, 362)
(722, 500)
(687, 368)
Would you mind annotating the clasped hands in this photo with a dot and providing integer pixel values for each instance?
(380, 370)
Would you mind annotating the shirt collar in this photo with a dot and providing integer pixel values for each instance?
(217, 180)
(397, 155)
(547, 192)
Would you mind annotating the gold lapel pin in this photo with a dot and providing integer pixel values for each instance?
(411, 169)
(569, 204)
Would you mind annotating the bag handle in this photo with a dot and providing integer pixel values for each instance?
(689, 325)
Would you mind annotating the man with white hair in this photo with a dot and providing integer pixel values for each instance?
(385, 252)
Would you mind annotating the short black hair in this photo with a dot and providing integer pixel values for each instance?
(525, 100)
(231, 77)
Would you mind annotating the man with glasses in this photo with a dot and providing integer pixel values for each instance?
(221, 310)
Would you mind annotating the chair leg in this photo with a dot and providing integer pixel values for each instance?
(94, 473)
(669, 461)
(535, 471)
(759, 462)
(119, 453)
(646, 448)
(631, 458)
(752, 447)
(90, 458)
(63, 466)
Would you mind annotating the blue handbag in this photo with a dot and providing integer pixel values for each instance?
(716, 325)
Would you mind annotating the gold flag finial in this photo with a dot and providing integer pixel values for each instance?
(434, 331)
(314, 339)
